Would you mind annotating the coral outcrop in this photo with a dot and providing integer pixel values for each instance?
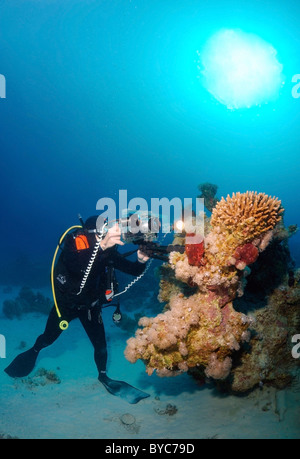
(273, 297)
(208, 193)
(200, 327)
(27, 301)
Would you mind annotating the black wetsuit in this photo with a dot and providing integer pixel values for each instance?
(68, 275)
(84, 302)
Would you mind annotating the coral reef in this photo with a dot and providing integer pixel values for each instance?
(272, 297)
(200, 327)
(274, 302)
(208, 193)
(26, 301)
(269, 360)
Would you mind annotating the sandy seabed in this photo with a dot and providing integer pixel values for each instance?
(79, 407)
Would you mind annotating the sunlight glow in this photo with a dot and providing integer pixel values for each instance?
(240, 69)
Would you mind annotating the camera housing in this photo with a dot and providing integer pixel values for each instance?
(138, 227)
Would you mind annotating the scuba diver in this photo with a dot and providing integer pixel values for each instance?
(82, 283)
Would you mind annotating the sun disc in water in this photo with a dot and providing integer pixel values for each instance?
(240, 70)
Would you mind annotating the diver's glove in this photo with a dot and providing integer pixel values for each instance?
(122, 389)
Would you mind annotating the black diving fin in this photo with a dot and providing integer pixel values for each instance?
(122, 389)
(23, 364)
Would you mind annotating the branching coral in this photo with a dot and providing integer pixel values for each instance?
(247, 215)
(202, 329)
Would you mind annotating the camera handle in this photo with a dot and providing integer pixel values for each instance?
(160, 252)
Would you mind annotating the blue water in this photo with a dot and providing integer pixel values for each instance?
(106, 95)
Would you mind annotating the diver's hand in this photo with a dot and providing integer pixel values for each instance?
(112, 238)
(142, 257)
